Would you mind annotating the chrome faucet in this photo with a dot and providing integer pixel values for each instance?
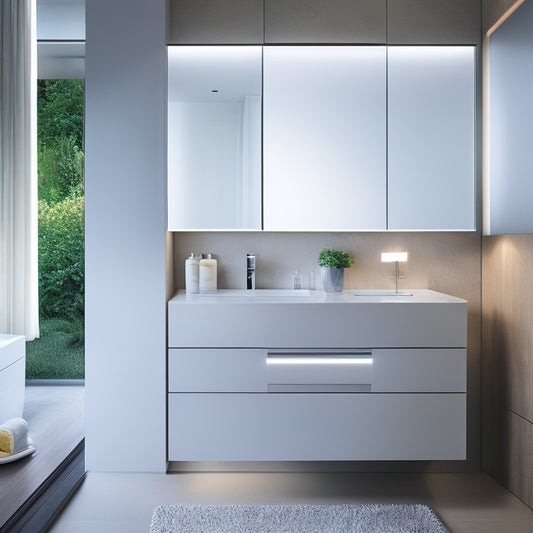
(250, 271)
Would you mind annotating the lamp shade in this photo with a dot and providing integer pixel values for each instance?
(391, 257)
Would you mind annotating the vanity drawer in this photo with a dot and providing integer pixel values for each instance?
(212, 370)
(419, 370)
(316, 370)
(308, 427)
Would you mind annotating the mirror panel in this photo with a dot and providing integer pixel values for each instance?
(431, 143)
(324, 138)
(214, 137)
(511, 126)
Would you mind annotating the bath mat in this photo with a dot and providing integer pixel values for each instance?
(295, 519)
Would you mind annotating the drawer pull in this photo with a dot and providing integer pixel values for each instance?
(333, 359)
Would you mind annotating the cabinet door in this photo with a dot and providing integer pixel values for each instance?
(214, 137)
(324, 138)
(431, 107)
(215, 22)
(325, 21)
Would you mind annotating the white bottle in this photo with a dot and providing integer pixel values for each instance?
(208, 275)
(192, 266)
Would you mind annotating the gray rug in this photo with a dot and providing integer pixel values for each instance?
(295, 519)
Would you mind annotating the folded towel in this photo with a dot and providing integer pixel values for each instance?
(13, 436)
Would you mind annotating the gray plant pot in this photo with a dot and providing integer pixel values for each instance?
(333, 279)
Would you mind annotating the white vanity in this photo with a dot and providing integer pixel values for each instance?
(302, 376)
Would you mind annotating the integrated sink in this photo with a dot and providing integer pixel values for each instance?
(380, 292)
(260, 293)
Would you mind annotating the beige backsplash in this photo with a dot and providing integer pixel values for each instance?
(447, 262)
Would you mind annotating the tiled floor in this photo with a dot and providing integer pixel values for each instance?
(466, 503)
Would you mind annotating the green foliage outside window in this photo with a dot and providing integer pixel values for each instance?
(61, 258)
(61, 198)
(60, 170)
(60, 110)
(60, 139)
(59, 352)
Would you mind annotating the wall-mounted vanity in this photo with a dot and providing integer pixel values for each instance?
(281, 376)
(321, 138)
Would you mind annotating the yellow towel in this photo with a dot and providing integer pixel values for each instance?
(13, 436)
(7, 441)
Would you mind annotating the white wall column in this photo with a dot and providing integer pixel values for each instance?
(125, 236)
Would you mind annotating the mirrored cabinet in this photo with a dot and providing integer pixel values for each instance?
(321, 138)
(214, 137)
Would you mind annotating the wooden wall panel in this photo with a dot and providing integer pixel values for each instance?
(507, 319)
(507, 362)
(519, 456)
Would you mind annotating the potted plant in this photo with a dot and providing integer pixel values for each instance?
(333, 263)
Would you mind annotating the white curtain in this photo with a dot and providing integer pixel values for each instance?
(19, 299)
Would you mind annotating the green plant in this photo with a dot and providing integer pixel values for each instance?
(335, 259)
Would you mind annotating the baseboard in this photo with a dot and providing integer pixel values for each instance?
(43, 506)
(56, 382)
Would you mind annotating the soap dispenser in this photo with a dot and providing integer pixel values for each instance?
(208, 275)
(192, 265)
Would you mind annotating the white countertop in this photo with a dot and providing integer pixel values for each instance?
(277, 296)
(285, 318)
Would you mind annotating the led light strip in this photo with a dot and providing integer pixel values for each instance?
(319, 360)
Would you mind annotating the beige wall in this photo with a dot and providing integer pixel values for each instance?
(507, 344)
(446, 262)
